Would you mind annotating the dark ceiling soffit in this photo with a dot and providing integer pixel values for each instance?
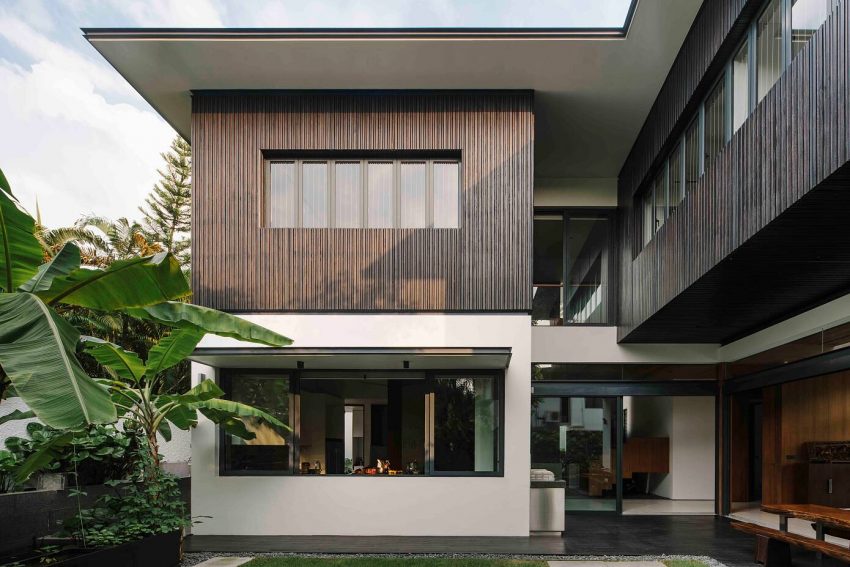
(827, 363)
(95, 34)
(290, 352)
(603, 389)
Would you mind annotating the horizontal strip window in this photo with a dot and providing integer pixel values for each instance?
(362, 193)
(602, 372)
(373, 423)
(821, 342)
(779, 32)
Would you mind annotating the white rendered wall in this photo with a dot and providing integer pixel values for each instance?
(599, 344)
(362, 505)
(688, 421)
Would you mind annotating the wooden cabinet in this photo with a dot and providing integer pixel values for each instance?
(646, 455)
(829, 484)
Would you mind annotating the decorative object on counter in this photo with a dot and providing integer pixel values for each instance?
(412, 468)
(829, 452)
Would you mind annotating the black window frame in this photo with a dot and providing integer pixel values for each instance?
(331, 158)
(610, 214)
(225, 377)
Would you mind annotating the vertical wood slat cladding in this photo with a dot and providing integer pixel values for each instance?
(795, 139)
(483, 266)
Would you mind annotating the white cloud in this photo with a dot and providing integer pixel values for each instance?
(67, 145)
(171, 13)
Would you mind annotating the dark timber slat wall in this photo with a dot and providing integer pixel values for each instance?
(483, 266)
(796, 138)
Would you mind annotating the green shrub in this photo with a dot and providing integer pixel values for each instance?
(95, 455)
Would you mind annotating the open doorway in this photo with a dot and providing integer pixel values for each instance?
(668, 455)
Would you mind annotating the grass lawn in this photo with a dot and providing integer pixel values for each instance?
(390, 562)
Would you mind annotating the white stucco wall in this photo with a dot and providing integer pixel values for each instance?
(317, 505)
(599, 344)
(688, 421)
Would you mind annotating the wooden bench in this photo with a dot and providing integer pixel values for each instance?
(774, 546)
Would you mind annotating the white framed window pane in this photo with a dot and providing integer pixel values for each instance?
(446, 197)
(347, 195)
(281, 203)
(380, 194)
(769, 46)
(806, 17)
(314, 183)
(413, 194)
(740, 86)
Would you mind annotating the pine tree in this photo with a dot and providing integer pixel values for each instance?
(168, 208)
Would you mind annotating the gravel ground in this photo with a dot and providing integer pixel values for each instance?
(195, 558)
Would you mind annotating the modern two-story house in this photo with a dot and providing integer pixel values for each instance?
(617, 255)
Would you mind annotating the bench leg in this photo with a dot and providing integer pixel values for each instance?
(777, 554)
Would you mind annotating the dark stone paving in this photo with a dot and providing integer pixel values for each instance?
(600, 534)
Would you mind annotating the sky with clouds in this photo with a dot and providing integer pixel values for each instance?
(76, 138)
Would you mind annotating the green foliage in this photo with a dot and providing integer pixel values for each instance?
(168, 208)
(8, 464)
(95, 455)
(37, 351)
(135, 510)
(20, 252)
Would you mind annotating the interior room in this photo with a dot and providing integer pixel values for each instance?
(668, 455)
(367, 423)
(790, 444)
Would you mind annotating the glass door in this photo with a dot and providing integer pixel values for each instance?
(577, 438)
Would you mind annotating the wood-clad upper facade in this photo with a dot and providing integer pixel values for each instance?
(762, 234)
(483, 265)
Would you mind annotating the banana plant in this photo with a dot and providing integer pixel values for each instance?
(38, 348)
(134, 385)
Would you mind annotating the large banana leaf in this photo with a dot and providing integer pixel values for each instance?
(235, 409)
(20, 252)
(186, 315)
(62, 264)
(47, 453)
(125, 283)
(16, 415)
(172, 349)
(123, 363)
(205, 390)
(37, 353)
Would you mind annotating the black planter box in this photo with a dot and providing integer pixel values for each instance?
(162, 550)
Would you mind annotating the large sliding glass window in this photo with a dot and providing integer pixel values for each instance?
(466, 424)
(770, 48)
(362, 193)
(572, 268)
(270, 451)
(548, 270)
(367, 423)
(576, 439)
